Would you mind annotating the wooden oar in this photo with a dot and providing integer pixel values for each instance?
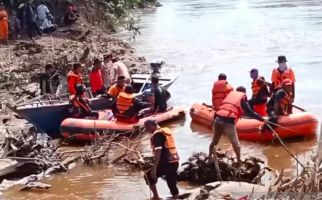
(283, 144)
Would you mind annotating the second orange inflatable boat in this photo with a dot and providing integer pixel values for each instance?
(296, 124)
(86, 129)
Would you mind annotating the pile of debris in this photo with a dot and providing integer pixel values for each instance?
(199, 169)
(26, 157)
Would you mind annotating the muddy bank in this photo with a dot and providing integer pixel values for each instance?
(22, 61)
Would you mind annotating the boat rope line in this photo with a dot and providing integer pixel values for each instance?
(283, 145)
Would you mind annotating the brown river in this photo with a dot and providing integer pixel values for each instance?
(204, 38)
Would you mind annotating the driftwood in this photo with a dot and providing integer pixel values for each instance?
(201, 170)
(307, 185)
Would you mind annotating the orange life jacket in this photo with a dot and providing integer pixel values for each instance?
(278, 77)
(220, 90)
(285, 103)
(78, 106)
(173, 155)
(72, 80)
(231, 106)
(124, 105)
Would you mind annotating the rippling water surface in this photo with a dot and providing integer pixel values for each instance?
(203, 38)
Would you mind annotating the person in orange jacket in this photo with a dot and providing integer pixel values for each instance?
(117, 88)
(260, 93)
(4, 27)
(80, 107)
(95, 78)
(281, 73)
(126, 107)
(166, 158)
(74, 77)
(232, 108)
(220, 90)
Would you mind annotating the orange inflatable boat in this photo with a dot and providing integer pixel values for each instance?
(85, 129)
(297, 124)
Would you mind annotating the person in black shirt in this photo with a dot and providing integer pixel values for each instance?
(166, 159)
(161, 95)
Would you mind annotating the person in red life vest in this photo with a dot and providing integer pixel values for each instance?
(74, 77)
(280, 104)
(281, 73)
(80, 107)
(117, 88)
(260, 93)
(127, 107)
(220, 90)
(166, 159)
(232, 108)
(95, 78)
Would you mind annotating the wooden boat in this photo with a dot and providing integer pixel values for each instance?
(86, 129)
(47, 115)
(297, 124)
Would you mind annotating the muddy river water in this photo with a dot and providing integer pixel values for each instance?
(203, 38)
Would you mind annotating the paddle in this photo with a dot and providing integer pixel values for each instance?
(283, 144)
(297, 107)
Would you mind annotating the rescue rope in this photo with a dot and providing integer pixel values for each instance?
(283, 144)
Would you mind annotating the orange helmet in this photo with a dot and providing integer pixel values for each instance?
(286, 82)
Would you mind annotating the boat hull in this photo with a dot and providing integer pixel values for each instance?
(297, 124)
(48, 116)
(87, 130)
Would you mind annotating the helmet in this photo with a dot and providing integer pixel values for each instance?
(146, 94)
(80, 89)
(241, 89)
(287, 82)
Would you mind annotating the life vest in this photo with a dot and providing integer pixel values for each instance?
(72, 80)
(114, 91)
(78, 106)
(255, 86)
(124, 105)
(220, 90)
(278, 77)
(172, 155)
(231, 106)
(285, 103)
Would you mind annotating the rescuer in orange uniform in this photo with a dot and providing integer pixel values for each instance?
(117, 88)
(4, 28)
(232, 108)
(127, 107)
(220, 90)
(281, 73)
(74, 77)
(80, 105)
(166, 159)
(96, 79)
(260, 93)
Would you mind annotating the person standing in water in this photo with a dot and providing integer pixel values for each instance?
(166, 159)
